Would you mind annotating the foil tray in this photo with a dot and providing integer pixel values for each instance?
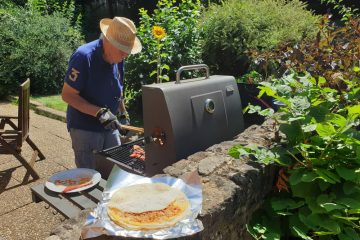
(99, 223)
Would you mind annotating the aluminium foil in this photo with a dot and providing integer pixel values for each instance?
(99, 223)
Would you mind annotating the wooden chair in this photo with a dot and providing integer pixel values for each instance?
(11, 140)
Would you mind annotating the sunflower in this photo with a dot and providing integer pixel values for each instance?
(158, 32)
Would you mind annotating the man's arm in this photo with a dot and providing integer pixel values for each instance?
(71, 96)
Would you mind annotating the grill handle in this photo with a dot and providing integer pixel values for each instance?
(191, 67)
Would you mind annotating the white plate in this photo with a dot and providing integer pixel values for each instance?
(74, 174)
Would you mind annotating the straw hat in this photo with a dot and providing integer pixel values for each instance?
(121, 32)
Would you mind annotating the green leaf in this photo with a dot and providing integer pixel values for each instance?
(300, 233)
(330, 225)
(350, 188)
(354, 111)
(352, 233)
(331, 206)
(153, 73)
(356, 69)
(304, 190)
(336, 119)
(309, 177)
(347, 173)
(292, 131)
(349, 202)
(295, 177)
(314, 206)
(165, 66)
(287, 203)
(327, 176)
(325, 129)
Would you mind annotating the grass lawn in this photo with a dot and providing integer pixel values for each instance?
(52, 101)
(55, 102)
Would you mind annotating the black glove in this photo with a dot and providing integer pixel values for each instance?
(108, 120)
(124, 119)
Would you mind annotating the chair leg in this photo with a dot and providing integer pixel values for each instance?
(31, 163)
(23, 161)
(35, 148)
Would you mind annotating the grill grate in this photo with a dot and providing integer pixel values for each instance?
(121, 156)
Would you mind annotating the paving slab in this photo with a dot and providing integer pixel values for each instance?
(20, 217)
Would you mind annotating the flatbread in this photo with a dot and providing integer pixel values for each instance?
(148, 206)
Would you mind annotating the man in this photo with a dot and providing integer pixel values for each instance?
(93, 90)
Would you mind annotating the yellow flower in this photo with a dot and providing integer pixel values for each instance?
(158, 32)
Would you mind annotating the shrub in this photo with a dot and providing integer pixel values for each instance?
(179, 47)
(333, 55)
(35, 46)
(234, 27)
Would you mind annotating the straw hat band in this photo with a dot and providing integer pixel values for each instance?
(122, 45)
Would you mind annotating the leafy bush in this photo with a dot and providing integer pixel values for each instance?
(333, 54)
(319, 155)
(179, 47)
(236, 26)
(34, 46)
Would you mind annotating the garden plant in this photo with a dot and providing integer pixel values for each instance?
(317, 147)
(318, 152)
(178, 20)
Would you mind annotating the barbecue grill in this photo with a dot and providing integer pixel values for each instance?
(181, 118)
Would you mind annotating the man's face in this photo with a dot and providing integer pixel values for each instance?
(114, 55)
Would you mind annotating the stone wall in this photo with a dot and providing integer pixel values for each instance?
(232, 188)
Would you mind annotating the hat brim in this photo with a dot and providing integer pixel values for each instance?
(136, 48)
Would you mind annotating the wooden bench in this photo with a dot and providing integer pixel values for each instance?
(69, 204)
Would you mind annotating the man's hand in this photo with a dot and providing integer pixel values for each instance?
(124, 119)
(108, 120)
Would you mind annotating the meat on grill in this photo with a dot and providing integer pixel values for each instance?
(137, 152)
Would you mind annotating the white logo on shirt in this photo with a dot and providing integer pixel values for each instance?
(74, 74)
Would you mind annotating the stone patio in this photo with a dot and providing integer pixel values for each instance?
(20, 218)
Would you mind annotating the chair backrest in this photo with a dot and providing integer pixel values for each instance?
(24, 109)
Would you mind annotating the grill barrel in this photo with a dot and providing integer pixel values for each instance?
(187, 116)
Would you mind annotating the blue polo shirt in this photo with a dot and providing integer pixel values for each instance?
(97, 81)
